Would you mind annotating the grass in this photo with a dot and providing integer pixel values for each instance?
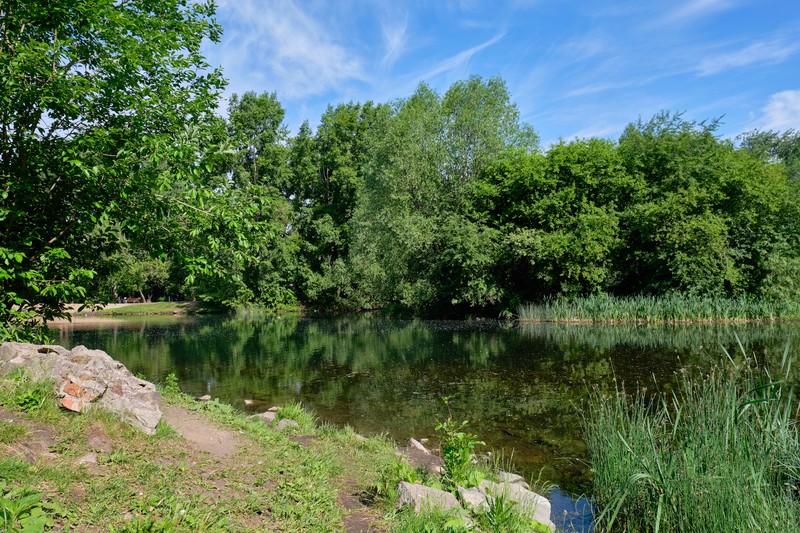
(161, 308)
(671, 308)
(721, 453)
(277, 481)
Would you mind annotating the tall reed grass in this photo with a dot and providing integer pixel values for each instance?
(666, 308)
(720, 454)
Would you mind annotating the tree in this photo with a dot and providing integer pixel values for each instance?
(97, 104)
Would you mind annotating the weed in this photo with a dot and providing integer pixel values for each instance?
(457, 451)
(170, 387)
(22, 509)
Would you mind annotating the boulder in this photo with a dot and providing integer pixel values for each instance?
(425, 498)
(86, 378)
(528, 502)
(268, 417)
(414, 443)
(473, 499)
(516, 479)
(284, 423)
(203, 398)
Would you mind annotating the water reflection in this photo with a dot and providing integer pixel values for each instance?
(520, 386)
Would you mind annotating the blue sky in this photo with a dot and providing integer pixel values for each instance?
(574, 68)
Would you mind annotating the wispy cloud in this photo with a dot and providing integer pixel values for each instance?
(695, 9)
(782, 111)
(284, 48)
(394, 31)
(459, 59)
(770, 51)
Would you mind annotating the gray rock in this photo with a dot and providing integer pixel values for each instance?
(425, 498)
(204, 398)
(531, 504)
(473, 498)
(86, 378)
(433, 464)
(508, 477)
(284, 423)
(273, 409)
(268, 417)
(88, 459)
(414, 443)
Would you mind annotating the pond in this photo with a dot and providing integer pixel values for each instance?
(521, 386)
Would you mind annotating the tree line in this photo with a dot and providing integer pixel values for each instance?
(118, 178)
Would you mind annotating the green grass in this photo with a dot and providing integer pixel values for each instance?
(668, 308)
(162, 308)
(720, 454)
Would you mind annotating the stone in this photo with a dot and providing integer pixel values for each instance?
(87, 378)
(433, 464)
(88, 459)
(249, 402)
(268, 417)
(284, 423)
(273, 409)
(473, 499)
(204, 398)
(425, 498)
(414, 443)
(516, 479)
(528, 502)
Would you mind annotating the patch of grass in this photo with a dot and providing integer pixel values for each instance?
(295, 412)
(721, 453)
(672, 308)
(11, 431)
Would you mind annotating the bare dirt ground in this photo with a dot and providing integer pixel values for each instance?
(202, 433)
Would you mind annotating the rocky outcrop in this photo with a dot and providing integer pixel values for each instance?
(84, 378)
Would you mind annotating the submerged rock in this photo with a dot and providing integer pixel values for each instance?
(85, 378)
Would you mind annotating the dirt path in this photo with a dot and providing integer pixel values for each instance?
(201, 432)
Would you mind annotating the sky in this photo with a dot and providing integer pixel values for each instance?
(574, 68)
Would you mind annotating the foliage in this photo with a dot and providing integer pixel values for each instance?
(170, 387)
(719, 454)
(457, 451)
(94, 100)
(23, 510)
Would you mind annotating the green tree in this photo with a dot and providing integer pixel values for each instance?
(95, 102)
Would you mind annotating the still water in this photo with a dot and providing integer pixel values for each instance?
(522, 387)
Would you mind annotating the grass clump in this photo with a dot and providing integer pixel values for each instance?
(670, 308)
(721, 453)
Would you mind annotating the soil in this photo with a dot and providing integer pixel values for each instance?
(201, 433)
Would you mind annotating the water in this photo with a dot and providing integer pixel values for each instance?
(521, 386)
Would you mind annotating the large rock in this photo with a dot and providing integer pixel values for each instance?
(528, 502)
(87, 377)
(425, 498)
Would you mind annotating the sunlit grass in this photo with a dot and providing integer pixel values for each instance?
(720, 454)
(668, 308)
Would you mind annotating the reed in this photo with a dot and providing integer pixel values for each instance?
(720, 453)
(666, 308)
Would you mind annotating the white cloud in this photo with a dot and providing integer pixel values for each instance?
(782, 112)
(771, 51)
(695, 9)
(459, 59)
(282, 47)
(394, 37)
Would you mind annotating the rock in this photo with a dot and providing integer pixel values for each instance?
(268, 417)
(531, 504)
(88, 459)
(284, 423)
(473, 498)
(413, 443)
(249, 402)
(203, 398)
(87, 378)
(425, 498)
(273, 409)
(508, 477)
(433, 464)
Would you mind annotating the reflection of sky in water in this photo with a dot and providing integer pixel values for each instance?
(521, 387)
